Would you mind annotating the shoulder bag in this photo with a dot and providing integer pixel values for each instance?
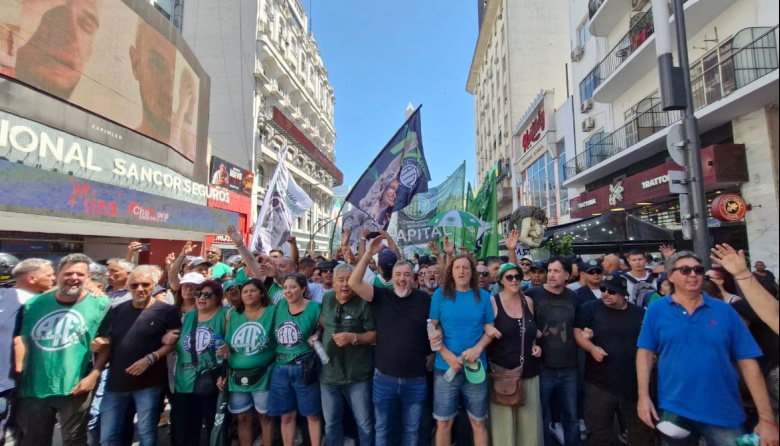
(506, 388)
(205, 380)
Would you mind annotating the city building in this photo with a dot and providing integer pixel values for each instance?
(270, 90)
(521, 48)
(106, 148)
(620, 160)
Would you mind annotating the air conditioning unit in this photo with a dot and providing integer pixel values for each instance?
(577, 53)
(586, 105)
(495, 60)
(490, 73)
(588, 124)
(637, 5)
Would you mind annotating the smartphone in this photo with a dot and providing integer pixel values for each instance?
(145, 247)
(372, 235)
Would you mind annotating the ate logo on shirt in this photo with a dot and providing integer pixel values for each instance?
(288, 334)
(249, 339)
(59, 330)
(204, 339)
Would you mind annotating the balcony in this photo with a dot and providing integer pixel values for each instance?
(606, 14)
(634, 55)
(726, 84)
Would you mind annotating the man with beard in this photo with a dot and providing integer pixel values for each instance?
(431, 282)
(56, 329)
(402, 346)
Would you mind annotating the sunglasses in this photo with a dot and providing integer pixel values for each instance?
(513, 277)
(484, 274)
(597, 271)
(687, 270)
(606, 290)
(203, 294)
(339, 311)
(525, 264)
(135, 286)
(233, 289)
(326, 270)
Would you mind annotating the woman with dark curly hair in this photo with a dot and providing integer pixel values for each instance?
(464, 313)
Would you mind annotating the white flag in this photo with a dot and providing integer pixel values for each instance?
(283, 203)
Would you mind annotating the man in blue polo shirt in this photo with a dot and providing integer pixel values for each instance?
(699, 341)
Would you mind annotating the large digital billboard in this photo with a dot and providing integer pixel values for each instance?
(105, 57)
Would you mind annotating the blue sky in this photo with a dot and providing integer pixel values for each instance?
(382, 55)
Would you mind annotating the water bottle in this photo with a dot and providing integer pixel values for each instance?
(219, 342)
(450, 373)
(431, 332)
(320, 350)
(748, 440)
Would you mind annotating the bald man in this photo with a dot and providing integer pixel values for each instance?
(611, 263)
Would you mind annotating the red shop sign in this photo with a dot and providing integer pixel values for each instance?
(729, 207)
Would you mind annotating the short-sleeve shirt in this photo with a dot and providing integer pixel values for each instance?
(293, 331)
(187, 366)
(401, 332)
(134, 333)
(615, 331)
(252, 346)
(697, 378)
(462, 320)
(555, 318)
(351, 363)
(219, 270)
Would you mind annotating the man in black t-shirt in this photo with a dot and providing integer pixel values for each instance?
(608, 330)
(556, 308)
(133, 333)
(402, 346)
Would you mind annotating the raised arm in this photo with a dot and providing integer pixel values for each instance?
(391, 243)
(763, 303)
(132, 249)
(362, 289)
(294, 254)
(173, 271)
(249, 260)
(511, 245)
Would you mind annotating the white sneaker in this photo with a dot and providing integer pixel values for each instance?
(258, 441)
(298, 437)
(349, 441)
(557, 430)
(583, 430)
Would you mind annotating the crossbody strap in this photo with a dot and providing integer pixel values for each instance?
(523, 329)
(193, 339)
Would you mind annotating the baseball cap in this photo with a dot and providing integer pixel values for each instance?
(198, 261)
(527, 257)
(616, 283)
(387, 259)
(475, 373)
(158, 289)
(538, 264)
(591, 265)
(193, 278)
(234, 282)
(507, 267)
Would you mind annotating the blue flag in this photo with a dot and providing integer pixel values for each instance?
(395, 176)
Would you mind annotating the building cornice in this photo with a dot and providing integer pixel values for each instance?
(485, 33)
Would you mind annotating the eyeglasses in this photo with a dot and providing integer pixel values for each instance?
(597, 271)
(213, 252)
(339, 310)
(484, 274)
(135, 286)
(326, 270)
(687, 270)
(513, 277)
(606, 290)
(525, 264)
(203, 294)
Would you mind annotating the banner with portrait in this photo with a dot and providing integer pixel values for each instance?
(229, 176)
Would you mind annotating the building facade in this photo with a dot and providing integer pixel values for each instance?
(520, 50)
(270, 90)
(621, 161)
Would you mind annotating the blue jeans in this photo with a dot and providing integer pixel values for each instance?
(288, 393)
(714, 435)
(358, 396)
(114, 410)
(448, 395)
(562, 383)
(398, 399)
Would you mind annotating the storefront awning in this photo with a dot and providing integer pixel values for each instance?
(611, 232)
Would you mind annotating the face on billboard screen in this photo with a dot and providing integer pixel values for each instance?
(101, 56)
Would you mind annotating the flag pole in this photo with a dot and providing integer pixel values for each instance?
(267, 198)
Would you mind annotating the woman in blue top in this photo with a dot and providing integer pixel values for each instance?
(464, 313)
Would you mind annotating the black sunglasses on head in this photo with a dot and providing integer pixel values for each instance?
(687, 270)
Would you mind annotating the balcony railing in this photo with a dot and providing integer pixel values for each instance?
(639, 32)
(751, 55)
(593, 7)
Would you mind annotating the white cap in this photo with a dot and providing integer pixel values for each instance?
(193, 278)
(527, 257)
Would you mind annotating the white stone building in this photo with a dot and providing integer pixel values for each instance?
(522, 48)
(269, 89)
(621, 128)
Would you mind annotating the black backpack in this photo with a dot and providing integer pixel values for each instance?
(641, 288)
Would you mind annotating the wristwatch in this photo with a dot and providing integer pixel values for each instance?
(355, 340)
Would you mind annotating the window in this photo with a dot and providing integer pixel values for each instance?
(583, 31)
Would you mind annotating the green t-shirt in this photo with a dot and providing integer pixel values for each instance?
(351, 363)
(241, 276)
(219, 270)
(276, 293)
(205, 336)
(57, 339)
(293, 332)
(378, 282)
(252, 345)
(328, 294)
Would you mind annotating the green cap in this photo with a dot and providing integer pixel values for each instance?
(475, 373)
(506, 267)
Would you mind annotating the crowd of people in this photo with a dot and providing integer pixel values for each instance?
(370, 348)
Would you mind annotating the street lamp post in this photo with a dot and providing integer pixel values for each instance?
(320, 224)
